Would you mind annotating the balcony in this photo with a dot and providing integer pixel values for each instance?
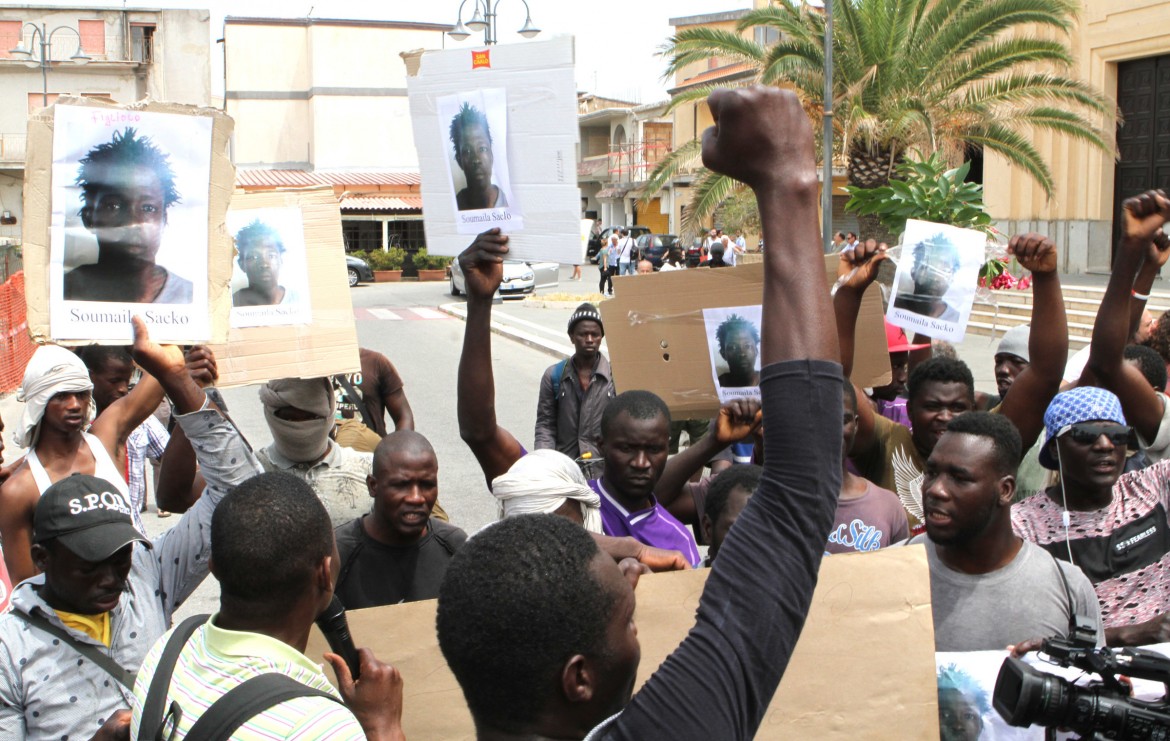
(12, 148)
(593, 168)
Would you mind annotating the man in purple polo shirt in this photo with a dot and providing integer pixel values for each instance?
(635, 440)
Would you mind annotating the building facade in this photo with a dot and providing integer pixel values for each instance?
(325, 100)
(1122, 48)
(117, 55)
(621, 144)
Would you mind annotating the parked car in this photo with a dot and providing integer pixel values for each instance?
(596, 242)
(653, 247)
(695, 252)
(520, 278)
(359, 270)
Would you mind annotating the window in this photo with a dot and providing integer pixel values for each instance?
(406, 233)
(142, 42)
(766, 35)
(93, 37)
(9, 37)
(36, 101)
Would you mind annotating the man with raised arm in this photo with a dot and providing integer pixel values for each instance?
(537, 625)
(892, 456)
(1141, 254)
(78, 631)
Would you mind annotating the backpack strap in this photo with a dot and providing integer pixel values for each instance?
(150, 726)
(358, 400)
(558, 374)
(104, 661)
(247, 700)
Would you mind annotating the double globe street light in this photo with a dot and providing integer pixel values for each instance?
(46, 53)
(484, 19)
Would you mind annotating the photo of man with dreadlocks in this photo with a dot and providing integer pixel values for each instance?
(474, 129)
(270, 281)
(733, 341)
(127, 186)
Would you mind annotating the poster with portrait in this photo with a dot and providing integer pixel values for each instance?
(124, 216)
(934, 286)
(474, 127)
(733, 343)
(270, 282)
(496, 134)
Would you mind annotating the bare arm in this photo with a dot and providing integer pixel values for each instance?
(178, 470)
(399, 408)
(18, 502)
(114, 425)
(495, 448)
(856, 271)
(1143, 216)
(1033, 389)
(737, 419)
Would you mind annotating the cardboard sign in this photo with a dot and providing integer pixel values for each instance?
(106, 182)
(287, 347)
(656, 329)
(497, 147)
(865, 659)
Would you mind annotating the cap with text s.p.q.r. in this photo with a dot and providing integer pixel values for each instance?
(88, 515)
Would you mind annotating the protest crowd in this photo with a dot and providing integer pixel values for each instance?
(1040, 505)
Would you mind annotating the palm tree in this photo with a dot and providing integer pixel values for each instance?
(908, 75)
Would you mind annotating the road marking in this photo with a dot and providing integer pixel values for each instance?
(385, 314)
(398, 315)
(430, 313)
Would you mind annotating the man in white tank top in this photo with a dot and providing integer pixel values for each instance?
(57, 393)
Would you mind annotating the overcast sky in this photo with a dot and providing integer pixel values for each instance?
(617, 40)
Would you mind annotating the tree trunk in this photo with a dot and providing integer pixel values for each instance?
(872, 169)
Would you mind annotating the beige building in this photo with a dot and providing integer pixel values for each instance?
(1122, 48)
(124, 56)
(327, 99)
(621, 144)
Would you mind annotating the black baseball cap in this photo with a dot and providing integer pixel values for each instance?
(88, 515)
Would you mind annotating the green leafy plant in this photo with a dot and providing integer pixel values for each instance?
(391, 259)
(908, 75)
(924, 190)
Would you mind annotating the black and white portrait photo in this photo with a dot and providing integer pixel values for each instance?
(934, 287)
(129, 227)
(270, 282)
(475, 126)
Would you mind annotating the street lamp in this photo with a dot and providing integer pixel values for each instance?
(484, 19)
(46, 58)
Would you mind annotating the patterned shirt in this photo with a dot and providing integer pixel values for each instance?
(338, 479)
(214, 661)
(148, 440)
(1124, 548)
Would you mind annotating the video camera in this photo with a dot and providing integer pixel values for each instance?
(1025, 696)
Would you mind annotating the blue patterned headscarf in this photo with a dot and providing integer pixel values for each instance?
(1082, 404)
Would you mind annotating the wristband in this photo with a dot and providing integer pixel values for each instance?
(1140, 296)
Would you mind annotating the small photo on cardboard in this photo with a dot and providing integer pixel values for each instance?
(936, 279)
(474, 127)
(128, 229)
(270, 282)
(733, 343)
(966, 684)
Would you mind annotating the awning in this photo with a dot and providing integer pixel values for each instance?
(613, 192)
(380, 203)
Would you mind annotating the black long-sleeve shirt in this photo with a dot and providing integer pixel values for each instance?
(720, 680)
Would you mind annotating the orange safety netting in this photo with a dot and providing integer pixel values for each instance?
(15, 345)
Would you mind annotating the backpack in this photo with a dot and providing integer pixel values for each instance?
(239, 705)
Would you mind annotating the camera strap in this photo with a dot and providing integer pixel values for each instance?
(1072, 611)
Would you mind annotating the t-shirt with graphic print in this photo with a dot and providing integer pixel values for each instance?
(1124, 548)
(875, 519)
(894, 463)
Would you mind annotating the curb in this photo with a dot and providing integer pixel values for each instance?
(557, 350)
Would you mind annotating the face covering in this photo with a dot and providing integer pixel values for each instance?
(306, 441)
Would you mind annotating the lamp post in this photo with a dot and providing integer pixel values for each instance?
(827, 128)
(484, 19)
(46, 58)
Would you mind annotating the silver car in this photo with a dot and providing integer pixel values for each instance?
(520, 278)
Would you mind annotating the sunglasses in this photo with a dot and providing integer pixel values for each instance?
(1087, 434)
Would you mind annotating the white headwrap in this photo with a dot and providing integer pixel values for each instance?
(50, 371)
(542, 481)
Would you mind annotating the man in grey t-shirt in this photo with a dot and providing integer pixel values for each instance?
(989, 588)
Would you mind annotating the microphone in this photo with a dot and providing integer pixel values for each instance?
(335, 628)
